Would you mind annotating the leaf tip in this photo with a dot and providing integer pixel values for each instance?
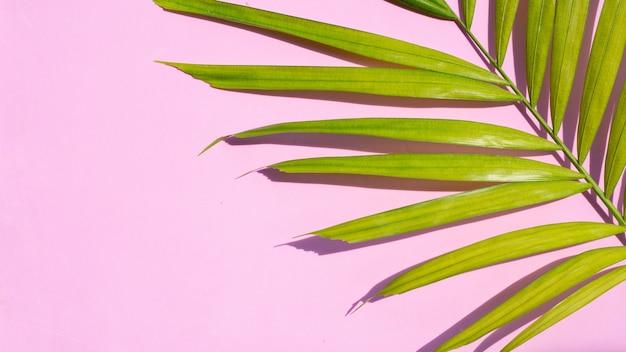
(217, 140)
(365, 301)
(302, 235)
(252, 171)
(171, 64)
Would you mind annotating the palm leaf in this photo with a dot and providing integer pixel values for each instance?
(538, 36)
(606, 56)
(379, 81)
(498, 249)
(469, 7)
(458, 132)
(569, 27)
(444, 167)
(505, 17)
(450, 209)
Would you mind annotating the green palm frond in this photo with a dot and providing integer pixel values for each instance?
(554, 32)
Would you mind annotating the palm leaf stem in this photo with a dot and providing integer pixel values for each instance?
(568, 153)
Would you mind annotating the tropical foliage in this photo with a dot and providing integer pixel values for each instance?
(555, 31)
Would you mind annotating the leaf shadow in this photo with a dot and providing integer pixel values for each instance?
(502, 332)
(491, 36)
(479, 53)
(325, 246)
(377, 182)
(486, 307)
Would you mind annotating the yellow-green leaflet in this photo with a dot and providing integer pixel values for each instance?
(450, 209)
(538, 36)
(379, 81)
(548, 286)
(444, 167)
(435, 8)
(505, 17)
(569, 305)
(616, 151)
(412, 129)
(468, 11)
(569, 28)
(605, 58)
(498, 249)
(358, 42)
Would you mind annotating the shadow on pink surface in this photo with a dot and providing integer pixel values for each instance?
(325, 246)
(489, 305)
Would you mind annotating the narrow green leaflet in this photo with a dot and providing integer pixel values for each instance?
(569, 305)
(498, 249)
(379, 81)
(358, 42)
(538, 36)
(505, 17)
(468, 11)
(616, 151)
(569, 29)
(450, 209)
(606, 55)
(444, 167)
(412, 129)
(556, 281)
(435, 8)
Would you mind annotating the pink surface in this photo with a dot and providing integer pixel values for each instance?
(115, 236)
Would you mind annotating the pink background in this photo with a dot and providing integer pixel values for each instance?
(115, 236)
